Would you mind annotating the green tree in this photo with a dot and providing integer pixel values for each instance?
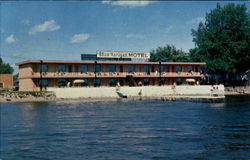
(15, 77)
(222, 41)
(5, 68)
(168, 53)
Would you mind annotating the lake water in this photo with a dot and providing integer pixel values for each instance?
(126, 130)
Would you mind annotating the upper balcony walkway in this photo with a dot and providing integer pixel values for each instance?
(112, 75)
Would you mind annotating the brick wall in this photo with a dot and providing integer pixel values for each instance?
(25, 70)
(27, 85)
(7, 80)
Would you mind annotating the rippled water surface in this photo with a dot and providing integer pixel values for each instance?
(126, 130)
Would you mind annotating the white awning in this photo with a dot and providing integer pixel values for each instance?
(190, 80)
(78, 81)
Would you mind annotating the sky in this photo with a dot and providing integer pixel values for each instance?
(63, 30)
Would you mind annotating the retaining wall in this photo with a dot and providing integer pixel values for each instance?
(146, 91)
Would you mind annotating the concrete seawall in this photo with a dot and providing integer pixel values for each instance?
(144, 91)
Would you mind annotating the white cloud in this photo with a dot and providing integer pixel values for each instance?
(128, 3)
(25, 22)
(196, 21)
(10, 39)
(139, 36)
(106, 1)
(168, 29)
(78, 38)
(47, 26)
(118, 35)
(13, 65)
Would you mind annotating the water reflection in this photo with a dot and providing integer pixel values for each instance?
(126, 130)
(218, 105)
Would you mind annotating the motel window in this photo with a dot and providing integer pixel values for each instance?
(61, 68)
(111, 68)
(61, 83)
(43, 82)
(131, 68)
(1, 85)
(146, 68)
(178, 68)
(190, 68)
(161, 68)
(84, 68)
(178, 81)
(146, 81)
(97, 82)
(44, 68)
(97, 68)
(112, 82)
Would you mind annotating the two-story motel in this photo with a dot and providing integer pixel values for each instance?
(96, 72)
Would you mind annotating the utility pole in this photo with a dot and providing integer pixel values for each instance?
(95, 73)
(41, 76)
(160, 73)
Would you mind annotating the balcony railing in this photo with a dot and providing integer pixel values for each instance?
(111, 74)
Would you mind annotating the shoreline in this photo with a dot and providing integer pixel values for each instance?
(24, 97)
(205, 99)
(243, 90)
(236, 94)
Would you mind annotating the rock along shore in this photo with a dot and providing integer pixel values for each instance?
(18, 96)
(244, 90)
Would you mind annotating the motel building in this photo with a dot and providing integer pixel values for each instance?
(106, 69)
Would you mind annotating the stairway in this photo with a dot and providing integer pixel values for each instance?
(131, 81)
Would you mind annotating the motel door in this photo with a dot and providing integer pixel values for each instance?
(121, 68)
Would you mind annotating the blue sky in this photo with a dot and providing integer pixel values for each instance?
(64, 30)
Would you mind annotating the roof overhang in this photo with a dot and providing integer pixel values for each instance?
(107, 62)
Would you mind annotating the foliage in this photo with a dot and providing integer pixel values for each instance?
(5, 68)
(168, 53)
(223, 40)
(15, 77)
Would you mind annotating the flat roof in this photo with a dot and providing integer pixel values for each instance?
(106, 62)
